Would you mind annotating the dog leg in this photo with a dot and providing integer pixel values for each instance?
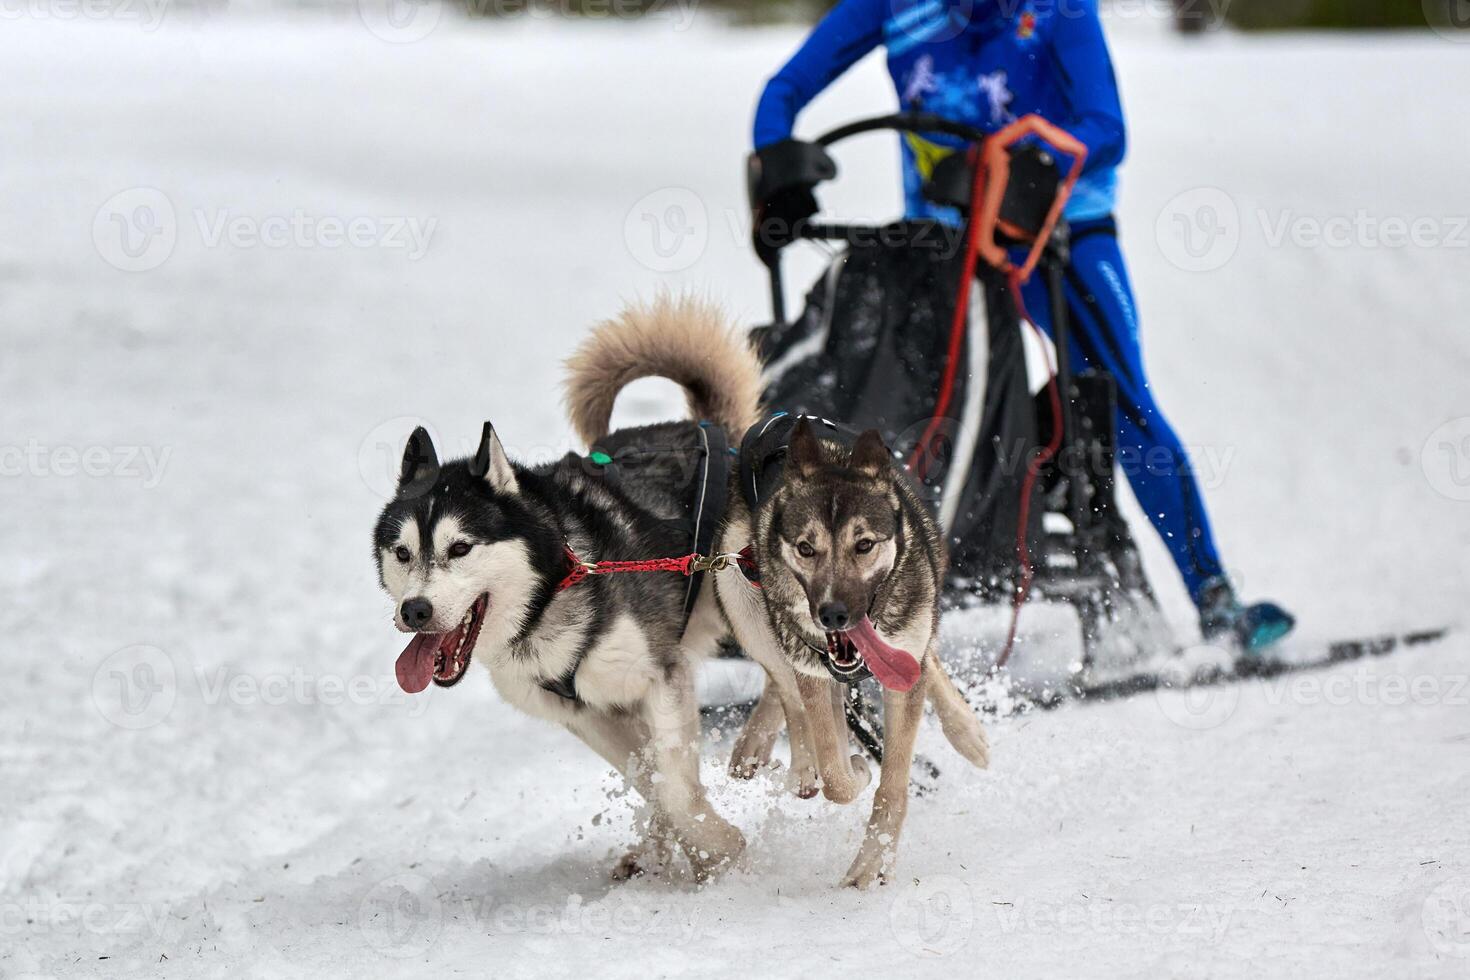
(758, 737)
(844, 776)
(756, 639)
(902, 712)
(621, 741)
(710, 842)
(958, 720)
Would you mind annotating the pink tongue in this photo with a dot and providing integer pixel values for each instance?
(416, 663)
(895, 669)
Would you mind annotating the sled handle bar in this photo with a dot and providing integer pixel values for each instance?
(904, 122)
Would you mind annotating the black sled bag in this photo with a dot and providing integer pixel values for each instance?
(869, 350)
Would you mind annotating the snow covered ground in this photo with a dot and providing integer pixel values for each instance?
(239, 256)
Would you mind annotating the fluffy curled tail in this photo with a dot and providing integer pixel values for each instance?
(958, 720)
(687, 340)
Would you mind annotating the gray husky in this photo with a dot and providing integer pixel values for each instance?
(849, 562)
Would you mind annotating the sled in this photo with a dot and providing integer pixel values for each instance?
(878, 345)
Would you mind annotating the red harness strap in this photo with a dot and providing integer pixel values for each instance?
(689, 564)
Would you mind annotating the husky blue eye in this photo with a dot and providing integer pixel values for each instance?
(459, 549)
(402, 554)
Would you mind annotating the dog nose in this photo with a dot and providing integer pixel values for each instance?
(417, 612)
(833, 615)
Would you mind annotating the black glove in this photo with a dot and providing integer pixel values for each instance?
(780, 179)
(1031, 190)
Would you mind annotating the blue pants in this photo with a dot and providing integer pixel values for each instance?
(1104, 334)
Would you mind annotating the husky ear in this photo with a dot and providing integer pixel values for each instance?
(420, 464)
(491, 464)
(804, 451)
(869, 455)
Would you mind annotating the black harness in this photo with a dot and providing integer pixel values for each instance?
(704, 506)
(761, 458)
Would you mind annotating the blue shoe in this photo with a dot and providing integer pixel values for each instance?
(1252, 628)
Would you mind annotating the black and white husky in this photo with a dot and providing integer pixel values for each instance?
(476, 554)
(473, 552)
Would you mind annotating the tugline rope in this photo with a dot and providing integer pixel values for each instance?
(690, 564)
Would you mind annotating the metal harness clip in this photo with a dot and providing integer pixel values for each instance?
(714, 563)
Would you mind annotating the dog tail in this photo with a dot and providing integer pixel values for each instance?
(685, 339)
(958, 720)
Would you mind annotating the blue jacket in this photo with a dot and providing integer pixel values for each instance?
(980, 62)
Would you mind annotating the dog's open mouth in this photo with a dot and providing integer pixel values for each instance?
(860, 646)
(842, 657)
(441, 657)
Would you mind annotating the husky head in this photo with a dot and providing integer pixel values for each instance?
(832, 542)
(836, 524)
(458, 548)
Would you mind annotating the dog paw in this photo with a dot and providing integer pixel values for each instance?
(629, 866)
(804, 783)
(750, 766)
(863, 878)
(646, 859)
(846, 791)
(972, 744)
(707, 864)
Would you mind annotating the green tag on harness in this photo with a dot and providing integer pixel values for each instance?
(600, 458)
